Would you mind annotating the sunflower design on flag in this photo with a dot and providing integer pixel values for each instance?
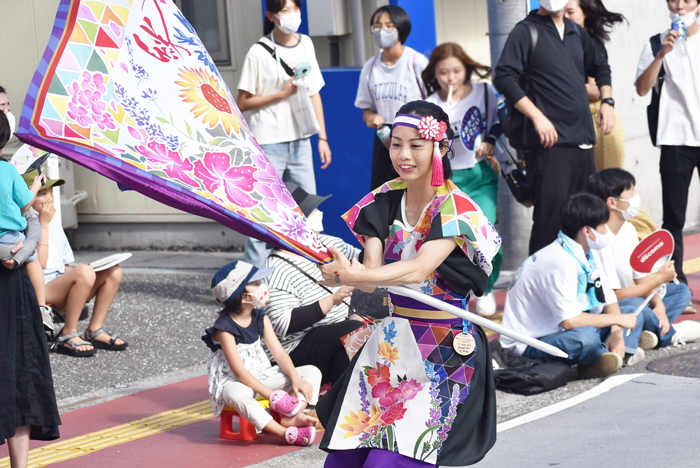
(201, 88)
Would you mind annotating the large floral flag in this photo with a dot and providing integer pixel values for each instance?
(127, 89)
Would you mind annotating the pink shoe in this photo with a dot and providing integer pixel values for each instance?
(281, 402)
(303, 436)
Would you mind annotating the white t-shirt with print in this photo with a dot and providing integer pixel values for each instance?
(384, 89)
(679, 106)
(261, 76)
(616, 257)
(544, 294)
(475, 126)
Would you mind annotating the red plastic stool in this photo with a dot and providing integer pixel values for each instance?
(246, 431)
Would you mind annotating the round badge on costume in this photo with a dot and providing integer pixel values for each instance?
(464, 344)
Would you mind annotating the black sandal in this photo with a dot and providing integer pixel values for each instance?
(111, 346)
(72, 348)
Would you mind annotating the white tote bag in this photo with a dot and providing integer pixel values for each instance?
(303, 109)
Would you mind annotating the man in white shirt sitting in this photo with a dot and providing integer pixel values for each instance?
(616, 188)
(559, 292)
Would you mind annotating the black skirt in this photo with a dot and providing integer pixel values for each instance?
(27, 396)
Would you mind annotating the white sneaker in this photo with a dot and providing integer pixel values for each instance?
(686, 332)
(632, 359)
(648, 340)
(486, 305)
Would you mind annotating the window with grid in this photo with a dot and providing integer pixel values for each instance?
(209, 19)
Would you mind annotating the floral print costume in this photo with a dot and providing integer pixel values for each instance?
(408, 392)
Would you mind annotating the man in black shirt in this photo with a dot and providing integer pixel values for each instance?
(558, 135)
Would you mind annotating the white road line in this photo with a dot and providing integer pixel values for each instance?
(608, 384)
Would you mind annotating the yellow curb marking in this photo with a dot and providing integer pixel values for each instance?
(691, 266)
(90, 443)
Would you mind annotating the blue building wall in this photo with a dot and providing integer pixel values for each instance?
(423, 37)
(348, 176)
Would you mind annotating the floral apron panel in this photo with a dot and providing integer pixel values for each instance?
(405, 389)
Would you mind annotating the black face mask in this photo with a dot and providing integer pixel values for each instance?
(594, 282)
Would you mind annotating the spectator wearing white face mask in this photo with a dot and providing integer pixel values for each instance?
(388, 80)
(561, 295)
(670, 66)
(279, 90)
(5, 108)
(616, 188)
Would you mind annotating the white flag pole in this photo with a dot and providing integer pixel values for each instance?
(477, 319)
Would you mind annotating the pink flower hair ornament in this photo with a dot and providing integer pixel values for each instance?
(429, 128)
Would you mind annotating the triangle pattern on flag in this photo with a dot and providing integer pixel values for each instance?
(76, 131)
(68, 62)
(49, 112)
(52, 127)
(78, 35)
(109, 15)
(97, 7)
(103, 40)
(121, 11)
(84, 12)
(96, 64)
(89, 28)
(59, 104)
(67, 77)
(56, 87)
(81, 53)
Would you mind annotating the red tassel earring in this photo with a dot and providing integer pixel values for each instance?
(438, 179)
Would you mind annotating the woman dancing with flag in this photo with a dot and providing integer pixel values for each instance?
(420, 392)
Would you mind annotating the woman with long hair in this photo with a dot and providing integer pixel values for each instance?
(471, 107)
(274, 68)
(598, 22)
(420, 392)
(609, 150)
(388, 80)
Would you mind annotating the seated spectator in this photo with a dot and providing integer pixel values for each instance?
(616, 188)
(239, 369)
(309, 318)
(562, 297)
(69, 288)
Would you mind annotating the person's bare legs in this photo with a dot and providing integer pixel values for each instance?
(19, 447)
(36, 275)
(70, 292)
(104, 290)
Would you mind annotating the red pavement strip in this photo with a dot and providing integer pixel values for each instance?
(198, 444)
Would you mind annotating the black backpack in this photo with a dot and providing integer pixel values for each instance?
(653, 107)
(512, 120)
(519, 374)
